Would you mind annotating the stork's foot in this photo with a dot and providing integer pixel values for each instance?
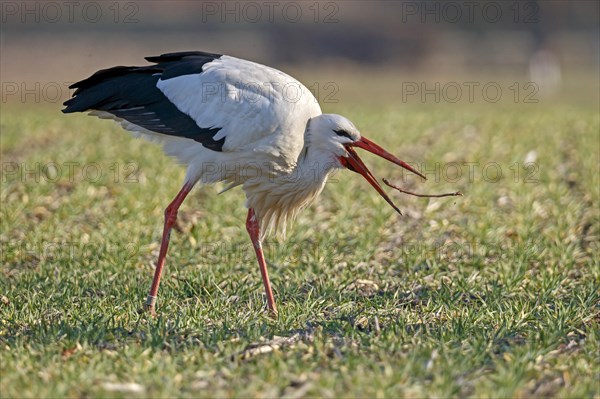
(150, 305)
(272, 312)
(149, 310)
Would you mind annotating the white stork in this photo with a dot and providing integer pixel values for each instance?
(234, 121)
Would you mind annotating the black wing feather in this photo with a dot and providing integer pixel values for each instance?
(130, 93)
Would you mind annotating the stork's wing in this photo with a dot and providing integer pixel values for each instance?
(224, 103)
(130, 93)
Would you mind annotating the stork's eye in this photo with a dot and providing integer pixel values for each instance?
(343, 133)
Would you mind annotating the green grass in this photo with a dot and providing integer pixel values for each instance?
(494, 294)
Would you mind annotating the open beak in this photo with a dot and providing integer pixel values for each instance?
(355, 164)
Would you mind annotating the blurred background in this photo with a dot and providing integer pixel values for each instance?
(340, 49)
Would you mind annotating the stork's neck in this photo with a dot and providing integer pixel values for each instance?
(314, 166)
(279, 198)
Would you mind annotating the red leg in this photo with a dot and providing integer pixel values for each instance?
(254, 231)
(170, 218)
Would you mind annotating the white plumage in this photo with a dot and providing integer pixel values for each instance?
(234, 121)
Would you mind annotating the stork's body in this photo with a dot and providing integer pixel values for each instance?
(233, 121)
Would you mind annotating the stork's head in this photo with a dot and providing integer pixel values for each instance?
(337, 137)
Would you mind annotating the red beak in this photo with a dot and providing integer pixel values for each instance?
(355, 164)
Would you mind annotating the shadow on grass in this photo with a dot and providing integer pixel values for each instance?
(344, 316)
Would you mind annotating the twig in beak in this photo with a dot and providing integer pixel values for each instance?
(458, 193)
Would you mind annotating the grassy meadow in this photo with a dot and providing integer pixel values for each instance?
(493, 294)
